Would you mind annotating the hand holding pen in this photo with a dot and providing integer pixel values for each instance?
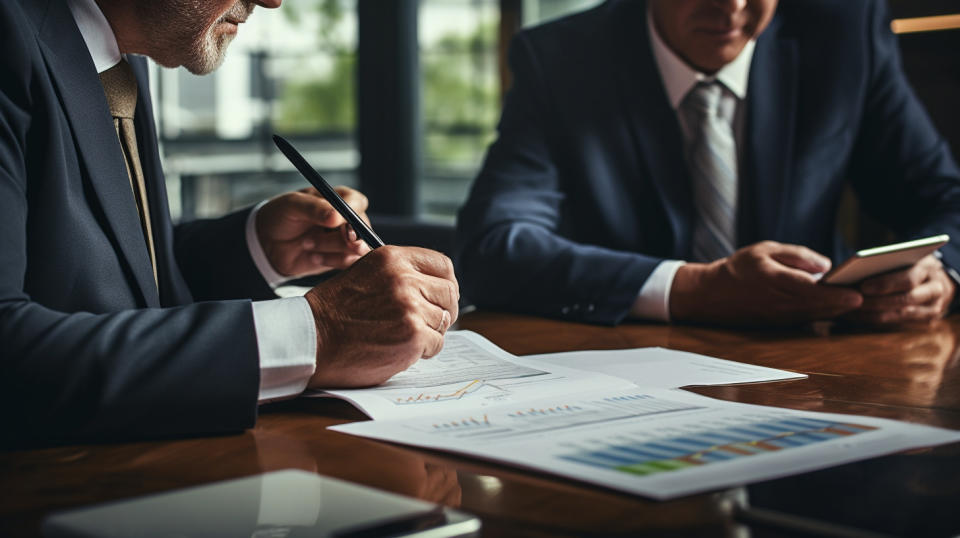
(386, 311)
(301, 233)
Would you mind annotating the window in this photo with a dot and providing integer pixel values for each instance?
(293, 71)
(289, 71)
(460, 93)
(460, 90)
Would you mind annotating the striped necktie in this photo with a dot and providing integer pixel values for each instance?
(120, 86)
(712, 160)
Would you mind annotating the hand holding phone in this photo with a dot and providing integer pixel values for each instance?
(875, 261)
(900, 283)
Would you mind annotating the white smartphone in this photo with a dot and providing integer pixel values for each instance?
(281, 503)
(879, 260)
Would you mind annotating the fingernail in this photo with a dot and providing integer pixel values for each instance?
(353, 234)
(316, 259)
(308, 244)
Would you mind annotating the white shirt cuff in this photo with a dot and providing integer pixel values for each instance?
(270, 274)
(653, 301)
(287, 342)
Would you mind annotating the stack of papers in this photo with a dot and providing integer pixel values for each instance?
(615, 418)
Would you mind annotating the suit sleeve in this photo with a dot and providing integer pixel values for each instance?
(901, 168)
(126, 374)
(513, 251)
(215, 261)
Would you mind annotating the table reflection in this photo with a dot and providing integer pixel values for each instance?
(374, 464)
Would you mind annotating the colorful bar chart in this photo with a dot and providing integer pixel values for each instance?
(469, 423)
(710, 446)
(545, 411)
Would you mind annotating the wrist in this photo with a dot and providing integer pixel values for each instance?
(686, 291)
(316, 306)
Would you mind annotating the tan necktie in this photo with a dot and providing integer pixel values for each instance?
(120, 86)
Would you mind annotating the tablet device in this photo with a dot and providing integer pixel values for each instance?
(283, 503)
(879, 260)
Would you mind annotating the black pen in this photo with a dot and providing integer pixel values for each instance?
(315, 179)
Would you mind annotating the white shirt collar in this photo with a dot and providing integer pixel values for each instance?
(679, 78)
(96, 32)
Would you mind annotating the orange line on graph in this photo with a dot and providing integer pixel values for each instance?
(457, 394)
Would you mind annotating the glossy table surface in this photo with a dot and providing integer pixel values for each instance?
(909, 374)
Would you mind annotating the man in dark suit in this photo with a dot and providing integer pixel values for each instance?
(101, 331)
(684, 160)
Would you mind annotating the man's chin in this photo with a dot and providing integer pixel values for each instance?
(200, 62)
(718, 57)
(205, 66)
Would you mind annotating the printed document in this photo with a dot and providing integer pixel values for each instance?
(470, 373)
(615, 418)
(654, 442)
(665, 368)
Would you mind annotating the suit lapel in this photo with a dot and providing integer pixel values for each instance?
(652, 120)
(771, 118)
(86, 108)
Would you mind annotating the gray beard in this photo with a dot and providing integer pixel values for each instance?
(179, 41)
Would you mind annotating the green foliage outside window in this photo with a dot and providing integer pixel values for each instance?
(460, 99)
(314, 100)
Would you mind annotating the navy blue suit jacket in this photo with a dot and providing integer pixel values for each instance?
(89, 346)
(585, 191)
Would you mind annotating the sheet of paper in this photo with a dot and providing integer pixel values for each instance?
(654, 442)
(665, 368)
(470, 373)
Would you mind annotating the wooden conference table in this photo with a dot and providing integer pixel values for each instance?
(911, 374)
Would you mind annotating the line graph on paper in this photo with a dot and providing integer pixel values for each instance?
(477, 387)
(461, 361)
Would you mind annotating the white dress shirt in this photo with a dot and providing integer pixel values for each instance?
(285, 330)
(653, 301)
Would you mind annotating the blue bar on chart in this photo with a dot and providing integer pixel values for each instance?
(710, 446)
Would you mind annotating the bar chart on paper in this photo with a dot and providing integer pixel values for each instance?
(658, 443)
(713, 445)
(464, 424)
(540, 419)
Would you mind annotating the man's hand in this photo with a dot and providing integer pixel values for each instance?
(302, 234)
(382, 315)
(921, 293)
(766, 283)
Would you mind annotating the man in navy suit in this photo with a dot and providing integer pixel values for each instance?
(114, 322)
(684, 160)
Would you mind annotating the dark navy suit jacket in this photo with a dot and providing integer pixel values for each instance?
(585, 191)
(89, 346)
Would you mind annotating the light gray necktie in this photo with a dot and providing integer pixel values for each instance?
(712, 161)
(120, 86)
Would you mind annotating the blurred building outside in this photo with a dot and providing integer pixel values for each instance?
(292, 71)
